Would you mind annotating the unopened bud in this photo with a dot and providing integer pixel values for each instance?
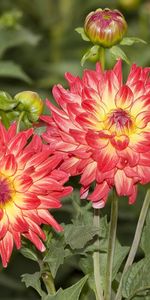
(105, 27)
(31, 103)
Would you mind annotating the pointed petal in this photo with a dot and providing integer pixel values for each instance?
(4, 226)
(48, 202)
(96, 139)
(107, 159)
(22, 183)
(26, 200)
(47, 218)
(100, 195)
(123, 184)
(132, 197)
(118, 71)
(8, 166)
(8, 244)
(89, 174)
(35, 240)
(124, 97)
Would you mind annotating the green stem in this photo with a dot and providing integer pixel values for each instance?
(111, 245)
(49, 283)
(19, 121)
(96, 259)
(136, 241)
(102, 57)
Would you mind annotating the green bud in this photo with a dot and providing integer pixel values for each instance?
(31, 103)
(105, 27)
(129, 5)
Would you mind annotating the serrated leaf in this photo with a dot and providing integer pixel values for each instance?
(6, 101)
(10, 69)
(71, 293)
(136, 280)
(117, 52)
(55, 257)
(76, 236)
(129, 41)
(80, 30)
(90, 54)
(33, 280)
(28, 253)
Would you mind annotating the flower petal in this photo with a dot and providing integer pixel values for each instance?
(47, 218)
(124, 97)
(123, 184)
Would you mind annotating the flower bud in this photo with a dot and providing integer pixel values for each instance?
(31, 103)
(105, 27)
(129, 5)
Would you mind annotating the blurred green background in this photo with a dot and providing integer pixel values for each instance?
(38, 44)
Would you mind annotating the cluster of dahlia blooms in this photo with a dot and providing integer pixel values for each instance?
(30, 184)
(101, 126)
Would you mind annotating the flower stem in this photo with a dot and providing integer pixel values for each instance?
(19, 121)
(102, 57)
(49, 283)
(111, 245)
(96, 259)
(136, 241)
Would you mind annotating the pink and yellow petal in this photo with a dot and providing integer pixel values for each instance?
(124, 97)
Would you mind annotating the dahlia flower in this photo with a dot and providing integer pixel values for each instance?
(103, 129)
(105, 27)
(30, 184)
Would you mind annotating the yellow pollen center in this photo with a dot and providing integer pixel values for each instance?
(5, 191)
(119, 122)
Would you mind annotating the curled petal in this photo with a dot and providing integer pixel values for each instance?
(100, 195)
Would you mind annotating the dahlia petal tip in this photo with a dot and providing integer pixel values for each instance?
(98, 204)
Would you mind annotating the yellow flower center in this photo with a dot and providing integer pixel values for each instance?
(119, 122)
(5, 191)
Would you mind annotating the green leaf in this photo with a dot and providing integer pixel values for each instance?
(91, 54)
(28, 253)
(129, 41)
(33, 280)
(136, 280)
(86, 265)
(55, 256)
(117, 52)
(71, 293)
(15, 37)
(81, 31)
(120, 254)
(76, 236)
(6, 101)
(12, 70)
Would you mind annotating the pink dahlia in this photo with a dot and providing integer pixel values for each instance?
(30, 184)
(102, 126)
